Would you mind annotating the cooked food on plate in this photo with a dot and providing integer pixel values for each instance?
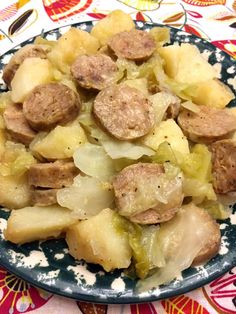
(118, 142)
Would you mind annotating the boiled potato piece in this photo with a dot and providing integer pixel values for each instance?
(161, 35)
(60, 143)
(167, 131)
(213, 93)
(2, 141)
(97, 241)
(73, 43)
(31, 73)
(14, 191)
(189, 67)
(171, 56)
(116, 22)
(38, 223)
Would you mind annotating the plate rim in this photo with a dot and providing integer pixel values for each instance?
(110, 299)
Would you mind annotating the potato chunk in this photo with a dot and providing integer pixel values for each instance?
(213, 93)
(97, 241)
(170, 132)
(60, 143)
(171, 56)
(116, 22)
(73, 43)
(31, 73)
(2, 141)
(38, 223)
(186, 65)
(14, 191)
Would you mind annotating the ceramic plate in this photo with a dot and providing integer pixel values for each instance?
(48, 264)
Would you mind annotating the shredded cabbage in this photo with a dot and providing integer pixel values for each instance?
(198, 164)
(195, 166)
(42, 41)
(143, 240)
(189, 105)
(216, 209)
(127, 67)
(93, 160)
(120, 149)
(87, 196)
(15, 160)
(198, 190)
(85, 117)
(180, 244)
(141, 84)
(161, 101)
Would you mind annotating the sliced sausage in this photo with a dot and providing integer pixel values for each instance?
(28, 51)
(44, 197)
(207, 125)
(17, 125)
(51, 104)
(211, 245)
(54, 175)
(134, 45)
(224, 166)
(142, 196)
(124, 112)
(153, 216)
(97, 71)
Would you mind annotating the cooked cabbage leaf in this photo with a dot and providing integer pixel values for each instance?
(15, 159)
(120, 149)
(87, 196)
(93, 160)
(141, 84)
(180, 244)
(146, 251)
(161, 101)
(127, 67)
(216, 209)
(195, 166)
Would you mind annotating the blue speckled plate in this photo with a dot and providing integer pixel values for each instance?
(48, 264)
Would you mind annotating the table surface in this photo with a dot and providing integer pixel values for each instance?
(214, 20)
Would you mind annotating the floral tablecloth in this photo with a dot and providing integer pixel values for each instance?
(214, 20)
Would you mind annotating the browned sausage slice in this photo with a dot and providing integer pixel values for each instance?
(224, 166)
(207, 125)
(136, 188)
(97, 71)
(211, 244)
(17, 125)
(134, 45)
(44, 197)
(28, 51)
(124, 112)
(51, 104)
(54, 175)
(153, 216)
